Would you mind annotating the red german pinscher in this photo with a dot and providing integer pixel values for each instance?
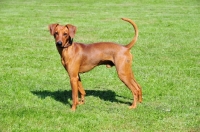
(79, 58)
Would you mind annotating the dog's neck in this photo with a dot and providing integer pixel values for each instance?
(61, 49)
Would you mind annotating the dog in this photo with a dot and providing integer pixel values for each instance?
(79, 58)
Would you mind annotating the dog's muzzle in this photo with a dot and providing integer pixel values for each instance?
(59, 43)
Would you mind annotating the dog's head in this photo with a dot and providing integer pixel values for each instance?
(63, 34)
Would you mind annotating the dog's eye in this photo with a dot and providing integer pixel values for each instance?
(65, 34)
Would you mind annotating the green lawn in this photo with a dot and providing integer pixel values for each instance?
(35, 93)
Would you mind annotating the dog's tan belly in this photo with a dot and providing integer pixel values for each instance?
(86, 68)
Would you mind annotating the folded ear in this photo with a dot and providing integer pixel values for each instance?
(72, 30)
(52, 28)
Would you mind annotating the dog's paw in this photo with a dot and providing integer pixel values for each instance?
(132, 107)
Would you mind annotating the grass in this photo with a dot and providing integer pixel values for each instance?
(35, 93)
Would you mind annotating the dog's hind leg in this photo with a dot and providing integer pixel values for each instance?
(132, 86)
(125, 74)
(139, 88)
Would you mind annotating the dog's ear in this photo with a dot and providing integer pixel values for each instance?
(52, 28)
(72, 30)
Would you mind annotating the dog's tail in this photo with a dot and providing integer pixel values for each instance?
(131, 44)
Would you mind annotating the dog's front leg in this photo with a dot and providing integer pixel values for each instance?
(81, 90)
(74, 80)
(74, 86)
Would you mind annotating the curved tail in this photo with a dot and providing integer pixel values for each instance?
(131, 44)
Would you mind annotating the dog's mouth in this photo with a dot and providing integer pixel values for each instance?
(62, 46)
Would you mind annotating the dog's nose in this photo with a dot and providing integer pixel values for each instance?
(59, 43)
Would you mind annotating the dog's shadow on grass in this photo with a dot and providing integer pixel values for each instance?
(65, 96)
